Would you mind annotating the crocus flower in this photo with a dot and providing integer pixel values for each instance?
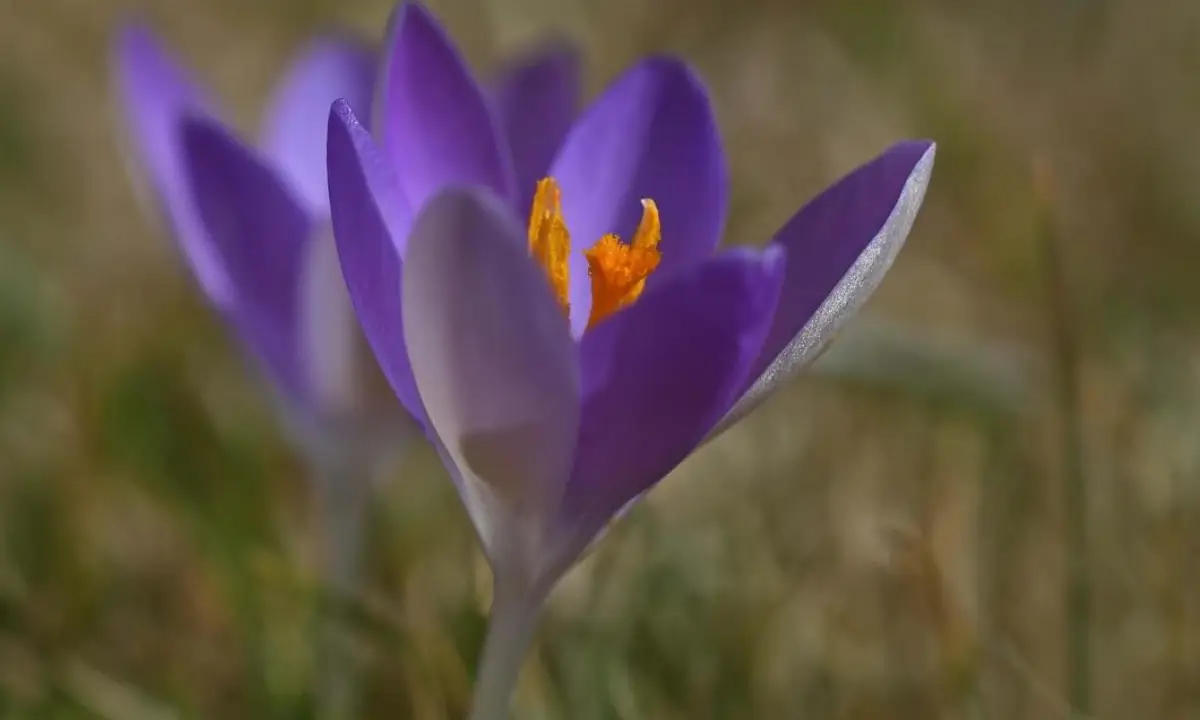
(564, 365)
(252, 221)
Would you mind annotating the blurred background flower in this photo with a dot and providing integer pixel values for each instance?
(890, 536)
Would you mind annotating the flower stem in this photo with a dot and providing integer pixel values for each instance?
(511, 627)
(342, 490)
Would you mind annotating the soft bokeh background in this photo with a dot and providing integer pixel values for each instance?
(890, 537)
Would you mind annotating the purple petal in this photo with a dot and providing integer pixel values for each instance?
(841, 245)
(370, 225)
(294, 132)
(344, 378)
(157, 92)
(260, 233)
(536, 102)
(492, 355)
(658, 375)
(434, 123)
(650, 135)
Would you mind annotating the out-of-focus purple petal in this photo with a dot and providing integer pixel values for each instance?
(294, 132)
(157, 93)
(432, 119)
(371, 219)
(493, 358)
(840, 246)
(343, 376)
(261, 233)
(536, 102)
(652, 134)
(657, 375)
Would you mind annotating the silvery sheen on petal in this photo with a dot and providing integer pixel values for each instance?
(847, 237)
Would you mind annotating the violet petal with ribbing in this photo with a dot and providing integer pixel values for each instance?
(157, 93)
(536, 101)
(841, 244)
(651, 134)
(260, 232)
(371, 221)
(294, 131)
(657, 375)
(491, 352)
(431, 118)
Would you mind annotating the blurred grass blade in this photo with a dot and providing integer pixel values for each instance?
(997, 378)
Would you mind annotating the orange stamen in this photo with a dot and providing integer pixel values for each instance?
(549, 241)
(617, 270)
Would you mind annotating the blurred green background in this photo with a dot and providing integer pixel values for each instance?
(893, 536)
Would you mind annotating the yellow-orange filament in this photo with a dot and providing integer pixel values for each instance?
(617, 270)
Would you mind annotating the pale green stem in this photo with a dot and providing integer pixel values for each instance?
(342, 491)
(511, 627)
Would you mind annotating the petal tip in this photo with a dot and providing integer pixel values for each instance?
(557, 56)
(774, 258)
(922, 151)
(341, 112)
(430, 115)
(765, 275)
(133, 33)
(563, 50)
(136, 49)
(468, 205)
(922, 172)
(671, 74)
(670, 68)
(152, 81)
(409, 16)
(344, 128)
(930, 149)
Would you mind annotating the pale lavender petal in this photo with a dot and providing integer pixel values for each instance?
(658, 375)
(536, 102)
(371, 220)
(492, 355)
(344, 378)
(294, 132)
(839, 246)
(652, 134)
(260, 232)
(433, 121)
(157, 93)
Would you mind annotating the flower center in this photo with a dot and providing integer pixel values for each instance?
(617, 270)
